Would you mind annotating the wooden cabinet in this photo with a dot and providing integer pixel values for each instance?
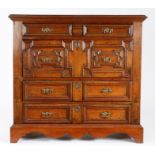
(77, 75)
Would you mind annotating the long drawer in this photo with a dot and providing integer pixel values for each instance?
(47, 29)
(97, 113)
(108, 30)
(43, 113)
(47, 90)
(107, 91)
(76, 113)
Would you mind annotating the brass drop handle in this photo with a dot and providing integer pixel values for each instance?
(46, 29)
(46, 60)
(107, 59)
(47, 91)
(106, 90)
(77, 108)
(107, 30)
(46, 114)
(105, 114)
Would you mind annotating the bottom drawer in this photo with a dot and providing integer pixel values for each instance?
(107, 114)
(47, 114)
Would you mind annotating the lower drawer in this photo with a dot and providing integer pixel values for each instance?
(47, 113)
(107, 113)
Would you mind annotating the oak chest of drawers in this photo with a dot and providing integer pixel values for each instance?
(77, 75)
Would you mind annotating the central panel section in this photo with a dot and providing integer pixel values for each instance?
(77, 57)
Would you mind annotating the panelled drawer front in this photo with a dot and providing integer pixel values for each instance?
(47, 114)
(106, 114)
(47, 29)
(110, 58)
(45, 58)
(107, 91)
(50, 90)
(108, 30)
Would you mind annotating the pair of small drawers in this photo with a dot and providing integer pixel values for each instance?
(78, 30)
(55, 102)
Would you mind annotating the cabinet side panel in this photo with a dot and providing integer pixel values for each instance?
(136, 72)
(17, 59)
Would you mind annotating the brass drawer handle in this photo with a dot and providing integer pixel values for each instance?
(46, 60)
(46, 114)
(46, 29)
(107, 30)
(47, 91)
(106, 90)
(107, 59)
(105, 114)
(77, 108)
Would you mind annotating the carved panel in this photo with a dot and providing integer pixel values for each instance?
(45, 59)
(53, 58)
(114, 58)
(108, 59)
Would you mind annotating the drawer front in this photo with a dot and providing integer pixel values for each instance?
(108, 30)
(106, 114)
(45, 58)
(47, 29)
(48, 91)
(47, 114)
(109, 58)
(107, 91)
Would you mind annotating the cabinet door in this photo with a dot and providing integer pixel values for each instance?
(109, 58)
(45, 58)
(77, 58)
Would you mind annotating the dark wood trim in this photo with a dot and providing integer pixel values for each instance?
(17, 60)
(136, 72)
(90, 19)
(76, 130)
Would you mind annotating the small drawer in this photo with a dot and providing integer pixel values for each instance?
(47, 114)
(108, 30)
(107, 91)
(107, 114)
(47, 29)
(53, 90)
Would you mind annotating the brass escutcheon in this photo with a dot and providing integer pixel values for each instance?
(76, 44)
(77, 108)
(77, 85)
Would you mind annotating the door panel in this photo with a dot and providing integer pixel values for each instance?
(109, 58)
(46, 58)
